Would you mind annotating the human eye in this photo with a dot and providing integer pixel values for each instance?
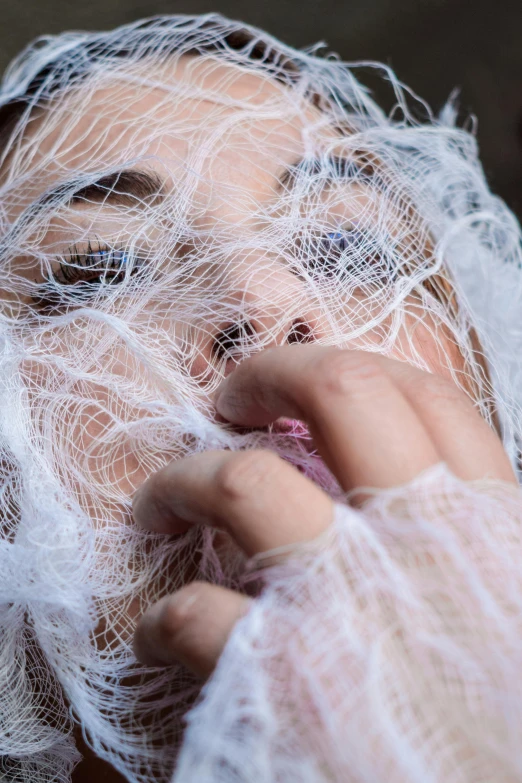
(82, 275)
(349, 251)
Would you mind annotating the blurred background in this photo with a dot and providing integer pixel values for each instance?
(433, 45)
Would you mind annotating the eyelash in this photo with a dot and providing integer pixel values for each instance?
(68, 273)
(323, 256)
(85, 272)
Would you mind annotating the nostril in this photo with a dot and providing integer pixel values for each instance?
(237, 340)
(301, 332)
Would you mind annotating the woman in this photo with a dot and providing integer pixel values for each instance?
(178, 196)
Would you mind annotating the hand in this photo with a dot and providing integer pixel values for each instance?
(376, 422)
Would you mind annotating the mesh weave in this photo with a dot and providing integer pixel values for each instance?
(163, 216)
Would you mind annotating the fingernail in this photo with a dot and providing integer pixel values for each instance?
(155, 642)
(147, 643)
(137, 506)
(220, 394)
(228, 405)
(146, 513)
(150, 513)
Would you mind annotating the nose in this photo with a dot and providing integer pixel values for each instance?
(264, 304)
(235, 342)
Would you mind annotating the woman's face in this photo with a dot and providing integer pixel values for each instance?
(176, 219)
(165, 222)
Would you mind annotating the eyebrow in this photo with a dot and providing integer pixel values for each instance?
(125, 187)
(119, 188)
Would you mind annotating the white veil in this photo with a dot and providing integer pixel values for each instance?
(74, 571)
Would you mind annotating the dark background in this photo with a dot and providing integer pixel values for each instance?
(433, 45)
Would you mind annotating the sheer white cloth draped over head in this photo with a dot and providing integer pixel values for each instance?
(175, 195)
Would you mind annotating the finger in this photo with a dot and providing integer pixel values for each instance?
(464, 440)
(260, 500)
(362, 424)
(365, 433)
(189, 627)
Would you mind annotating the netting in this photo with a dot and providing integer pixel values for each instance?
(176, 195)
(389, 649)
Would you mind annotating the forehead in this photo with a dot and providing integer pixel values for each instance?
(217, 117)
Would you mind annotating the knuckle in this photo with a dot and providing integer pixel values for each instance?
(435, 388)
(245, 472)
(341, 372)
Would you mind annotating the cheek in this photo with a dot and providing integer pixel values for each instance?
(436, 346)
(431, 343)
(109, 459)
(421, 339)
(424, 341)
(88, 430)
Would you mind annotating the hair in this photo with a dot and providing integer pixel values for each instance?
(71, 572)
(205, 38)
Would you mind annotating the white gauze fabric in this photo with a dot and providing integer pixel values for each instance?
(176, 195)
(389, 649)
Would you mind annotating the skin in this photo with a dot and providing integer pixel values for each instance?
(376, 421)
(242, 171)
